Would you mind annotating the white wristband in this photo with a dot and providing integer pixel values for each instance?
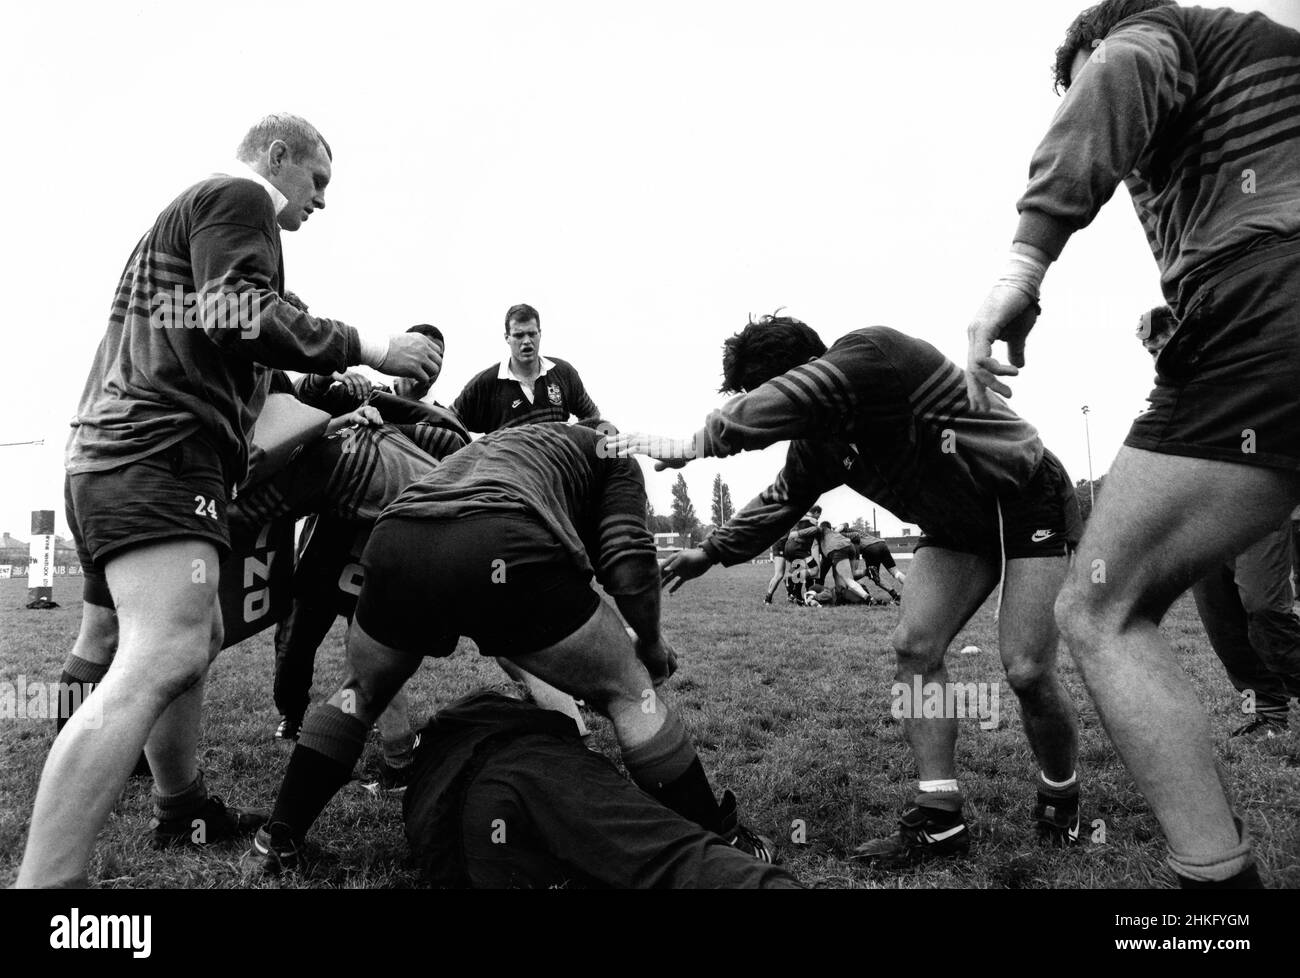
(1024, 273)
(374, 352)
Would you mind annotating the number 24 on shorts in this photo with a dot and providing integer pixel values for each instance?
(205, 506)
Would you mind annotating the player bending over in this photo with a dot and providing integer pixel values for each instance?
(886, 414)
(520, 520)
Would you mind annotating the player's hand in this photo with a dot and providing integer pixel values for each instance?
(412, 355)
(354, 385)
(669, 453)
(408, 389)
(365, 416)
(658, 657)
(1007, 314)
(682, 566)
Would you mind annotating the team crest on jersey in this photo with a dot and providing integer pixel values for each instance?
(553, 392)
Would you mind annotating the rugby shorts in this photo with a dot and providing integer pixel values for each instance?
(178, 492)
(499, 579)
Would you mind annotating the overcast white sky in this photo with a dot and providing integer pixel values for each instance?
(645, 175)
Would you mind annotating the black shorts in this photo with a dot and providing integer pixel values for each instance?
(878, 555)
(778, 548)
(835, 556)
(179, 492)
(1043, 520)
(1228, 382)
(502, 580)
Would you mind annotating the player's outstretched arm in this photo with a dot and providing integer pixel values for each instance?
(668, 453)
(683, 566)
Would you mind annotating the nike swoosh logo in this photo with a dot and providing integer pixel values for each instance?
(1041, 535)
(518, 401)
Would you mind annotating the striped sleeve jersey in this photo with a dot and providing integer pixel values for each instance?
(593, 505)
(197, 314)
(885, 414)
(1197, 111)
(351, 475)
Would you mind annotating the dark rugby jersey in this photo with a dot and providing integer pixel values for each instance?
(885, 414)
(169, 365)
(354, 473)
(595, 507)
(1197, 111)
(490, 401)
(798, 547)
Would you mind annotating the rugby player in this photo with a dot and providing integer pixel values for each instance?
(160, 436)
(872, 554)
(1193, 110)
(778, 569)
(886, 414)
(526, 387)
(521, 519)
(563, 815)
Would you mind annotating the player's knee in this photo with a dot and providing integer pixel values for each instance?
(1025, 675)
(97, 639)
(917, 651)
(1081, 616)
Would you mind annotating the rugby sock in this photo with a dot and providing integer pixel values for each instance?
(942, 807)
(79, 675)
(1233, 869)
(946, 785)
(182, 804)
(328, 747)
(667, 767)
(1070, 786)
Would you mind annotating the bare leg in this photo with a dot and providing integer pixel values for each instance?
(946, 588)
(166, 623)
(1161, 524)
(843, 574)
(1028, 639)
(544, 694)
(598, 664)
(778, 575)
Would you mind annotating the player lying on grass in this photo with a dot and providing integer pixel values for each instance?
(500, 544)
(504, 795)
(160, 436)
(886, 414)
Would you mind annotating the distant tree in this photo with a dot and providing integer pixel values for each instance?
(859, 525)
(662, 524)
(684, 520)
(1084, 497)
(722, 508)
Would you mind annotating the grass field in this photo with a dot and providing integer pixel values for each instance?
(790, 708)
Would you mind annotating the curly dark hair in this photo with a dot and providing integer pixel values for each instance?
(766, 348)
(1091, 27)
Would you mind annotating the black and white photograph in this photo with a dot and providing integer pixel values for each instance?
(573, 445)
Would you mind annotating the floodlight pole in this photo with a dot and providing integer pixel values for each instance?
(1092, 493)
